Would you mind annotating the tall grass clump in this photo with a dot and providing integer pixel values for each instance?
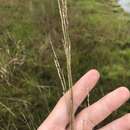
(12, 56)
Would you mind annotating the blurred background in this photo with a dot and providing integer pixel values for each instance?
(29, 83)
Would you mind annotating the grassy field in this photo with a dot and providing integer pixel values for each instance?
(29, 84)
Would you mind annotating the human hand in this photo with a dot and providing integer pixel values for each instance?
(91, 116)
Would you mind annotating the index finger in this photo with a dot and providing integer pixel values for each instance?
(59, 116)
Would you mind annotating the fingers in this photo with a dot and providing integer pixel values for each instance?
(97, 112)
(119, 124)
(59, 115)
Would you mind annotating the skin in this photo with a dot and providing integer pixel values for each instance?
(89, 117)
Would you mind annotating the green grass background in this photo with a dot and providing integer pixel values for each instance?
(29, 84)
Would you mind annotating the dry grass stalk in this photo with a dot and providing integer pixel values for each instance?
(67, 48)
(58, 67)
(7, 109)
